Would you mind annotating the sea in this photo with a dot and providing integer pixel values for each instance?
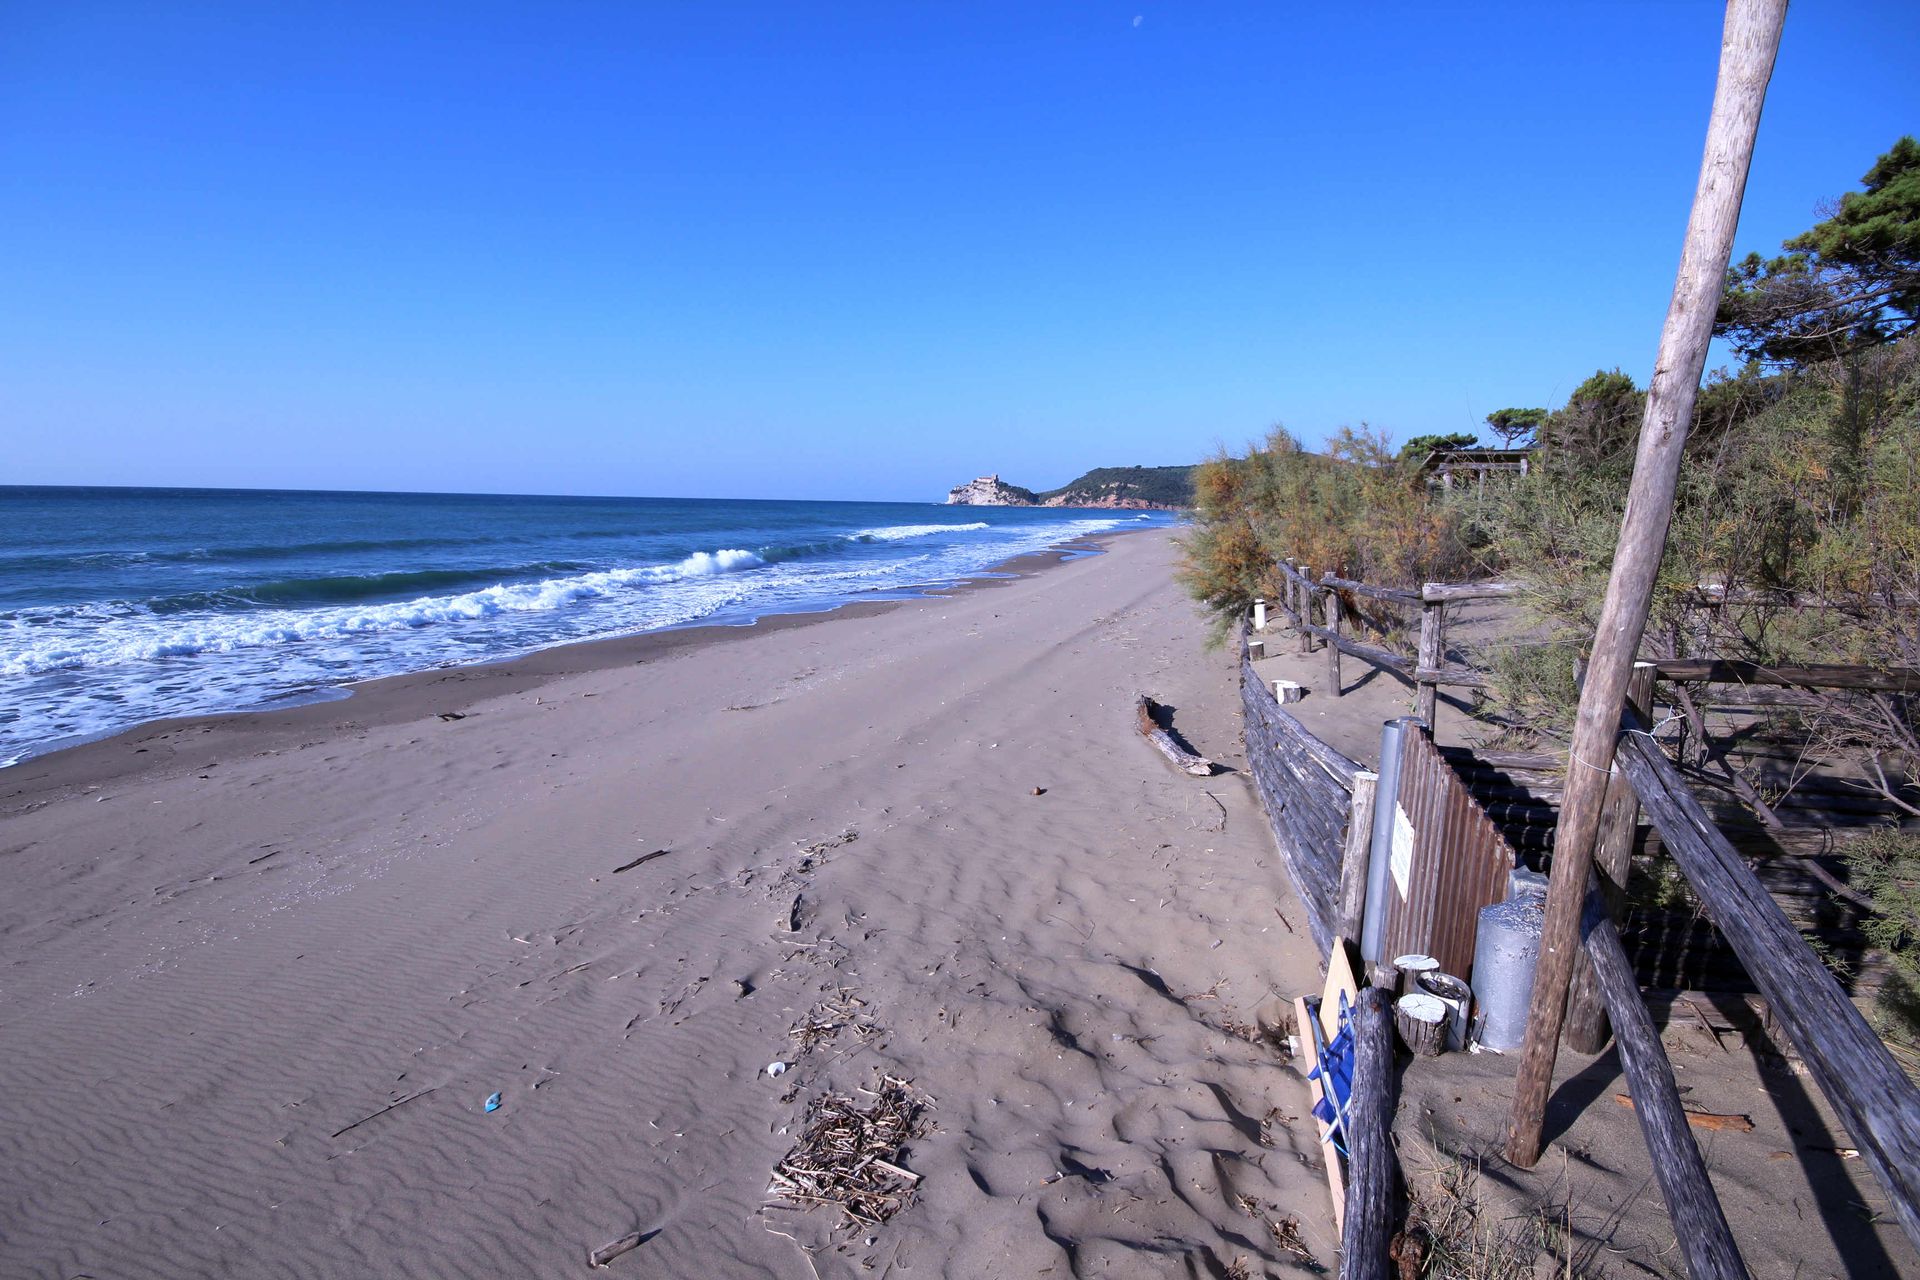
(119, 606)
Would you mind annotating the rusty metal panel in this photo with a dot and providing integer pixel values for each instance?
(1457, 862)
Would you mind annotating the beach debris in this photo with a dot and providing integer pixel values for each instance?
(642, 860)
(849, 1157)
(598, 1258)
(1146, 716)
(830, 1017)
(1703, 1119)
(776, 1069)
(453, 715)
(493, 1101)
(391, 1106)
(1039, 791)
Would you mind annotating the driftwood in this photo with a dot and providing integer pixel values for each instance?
(1874, 1099)
(1183, 759)
(1698, 1222)
(1367, 1231)
(614, 1248)
(1716, 1120)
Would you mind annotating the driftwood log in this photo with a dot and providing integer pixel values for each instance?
(1182, 759)
(1367, 1232)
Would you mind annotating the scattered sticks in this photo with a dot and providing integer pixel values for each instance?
(641, 860)
(850, 1158)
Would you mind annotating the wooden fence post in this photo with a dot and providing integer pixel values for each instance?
(1306, 607)
(1333, 641)
(1367, 1233)
(1354, 856)
(1749, 43)
(1586, 1030)
(1433, 652)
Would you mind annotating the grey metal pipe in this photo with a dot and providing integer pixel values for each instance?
(1373, 928)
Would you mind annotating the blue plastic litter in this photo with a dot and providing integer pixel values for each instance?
(493, 1102)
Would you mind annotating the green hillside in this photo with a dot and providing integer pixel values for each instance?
(1160, 486)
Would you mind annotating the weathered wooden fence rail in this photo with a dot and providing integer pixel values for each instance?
(1874, 1099)
(1306, 788)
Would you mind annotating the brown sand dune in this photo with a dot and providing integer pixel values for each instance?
(258, 974)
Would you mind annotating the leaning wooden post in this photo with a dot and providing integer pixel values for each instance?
(1747, 48)
(1367, 1232)
(1355, 857)
(1333, 640)
(1699, 1224)
(1586, 1030)
(1433, 651)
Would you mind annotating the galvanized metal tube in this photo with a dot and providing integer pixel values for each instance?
(1373, 929)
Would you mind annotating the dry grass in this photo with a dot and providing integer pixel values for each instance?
(1451, 1235)
(849, 1156)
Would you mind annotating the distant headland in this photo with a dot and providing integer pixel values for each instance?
(1145, 488)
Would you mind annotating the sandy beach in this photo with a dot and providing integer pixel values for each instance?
(262, 972)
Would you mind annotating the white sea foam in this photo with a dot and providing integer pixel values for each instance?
(95, 667)
(901, 532)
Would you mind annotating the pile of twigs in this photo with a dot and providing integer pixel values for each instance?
(827, 1019)
(849, 1157)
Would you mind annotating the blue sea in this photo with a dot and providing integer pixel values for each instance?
(119, 606)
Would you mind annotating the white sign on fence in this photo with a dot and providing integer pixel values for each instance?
(1401, 863)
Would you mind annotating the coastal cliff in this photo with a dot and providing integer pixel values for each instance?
(1127, 488)
(990, 491)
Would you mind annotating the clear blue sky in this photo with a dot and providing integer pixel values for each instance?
(850, 251)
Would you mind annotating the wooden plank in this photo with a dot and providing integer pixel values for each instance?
(1718, 1121)
(1354, 855)
(1445, 592)
(1463, 677)
(1304, 1015)
(1698, 1222)
(1749, 43)
(1812, 676)
(1367, 1233)
(1873, 1098)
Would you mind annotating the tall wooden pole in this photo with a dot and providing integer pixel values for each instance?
(1747, 48)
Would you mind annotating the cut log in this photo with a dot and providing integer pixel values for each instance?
(1181, 758)
(1421, 1020)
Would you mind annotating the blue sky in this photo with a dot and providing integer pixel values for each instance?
(850, 251)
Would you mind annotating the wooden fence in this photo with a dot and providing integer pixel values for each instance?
(1302, 783)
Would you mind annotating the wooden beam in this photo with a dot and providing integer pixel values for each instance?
(1748, 46)
(1814, 676)
(1698, 1222)
(1177, 755)
(1442, 592)
(1433, 655)
(1367, 1234)
(1873, 1098)
(1353, 855)
(1333, 646)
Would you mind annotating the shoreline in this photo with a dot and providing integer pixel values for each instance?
(259, 996)
(383, 701)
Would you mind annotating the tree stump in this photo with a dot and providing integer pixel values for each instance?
(1421, 1020)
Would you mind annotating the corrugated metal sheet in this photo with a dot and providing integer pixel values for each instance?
(1455, 863)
